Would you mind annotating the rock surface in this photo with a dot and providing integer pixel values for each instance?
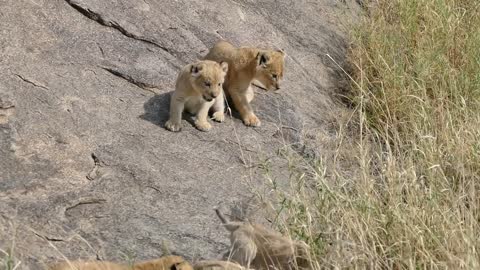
(87, 169)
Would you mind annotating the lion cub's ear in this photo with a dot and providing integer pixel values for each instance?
(174, 266)
(196, 69)
(282, 52)
(262, 59)
(224, 66)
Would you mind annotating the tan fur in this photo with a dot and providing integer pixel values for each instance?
(198, 88)
(163, 263)
(254, 246)
(217, 265)
(81, 265)
(245, 65)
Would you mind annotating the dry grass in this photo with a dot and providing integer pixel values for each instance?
(7, 260)
(414, 201)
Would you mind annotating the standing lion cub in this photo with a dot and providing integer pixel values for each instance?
(245, 65)
(198, 88)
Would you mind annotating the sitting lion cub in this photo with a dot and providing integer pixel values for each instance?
(163, 263)
(198, 88)
(245, 65)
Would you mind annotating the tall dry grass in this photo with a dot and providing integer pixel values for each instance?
(414, 200)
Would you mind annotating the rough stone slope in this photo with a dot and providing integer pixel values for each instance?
(87, 169)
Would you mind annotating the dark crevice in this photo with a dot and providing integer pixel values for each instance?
(113, 24)
(95, 159)
(6, 106)
(93, 174)
(128, 78)
(31, 82)
(101, 50)
(87, 201)
(51, 239)
(154, 188)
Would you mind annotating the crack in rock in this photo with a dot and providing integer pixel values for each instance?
(85, 202)
(112, 24)
(7, 109)
(50, 239)
(154, 188)
(36, 84)
(93, 174)
(128, 78)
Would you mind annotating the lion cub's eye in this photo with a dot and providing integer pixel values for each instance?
(207, 84)
(219, 84)
(274, 76)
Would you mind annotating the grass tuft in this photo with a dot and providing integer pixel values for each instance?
(8, 260)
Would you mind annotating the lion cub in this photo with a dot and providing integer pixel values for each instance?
(198, 88)
(163, 263)
(245, 65)
(217, 265)
(254, 246)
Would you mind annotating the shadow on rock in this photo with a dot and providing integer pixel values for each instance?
(157, 109)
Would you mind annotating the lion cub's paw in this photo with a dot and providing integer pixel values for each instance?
(218, 116)
(170, 125)
(203, 125)
(252, 120)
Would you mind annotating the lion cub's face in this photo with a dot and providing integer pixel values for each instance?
(270, 68)
(207, 78)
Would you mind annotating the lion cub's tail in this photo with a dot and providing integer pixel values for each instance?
(229, 225)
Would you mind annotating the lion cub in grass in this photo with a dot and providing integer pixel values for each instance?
(198, 88)
(254, 246)
(163, 263)
(244, 66)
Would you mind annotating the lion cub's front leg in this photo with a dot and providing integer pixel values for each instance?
(202, 122)
(219, 108)
(177, 104)
(240, 100)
